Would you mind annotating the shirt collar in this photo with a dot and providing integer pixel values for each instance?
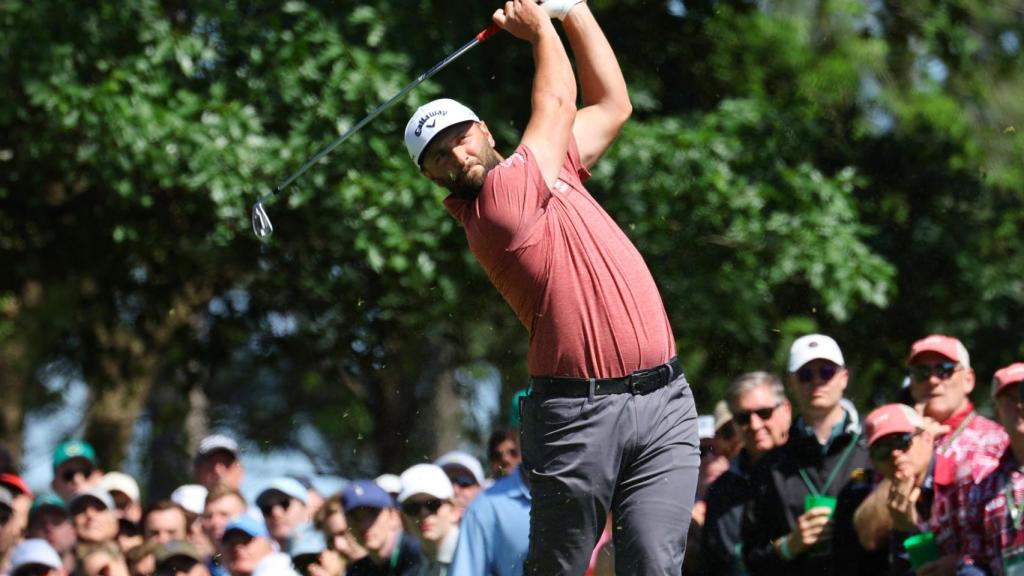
(446, 553)
(955, 420)
(517, 476)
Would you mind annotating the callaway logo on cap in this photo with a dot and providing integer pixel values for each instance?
(429, 120)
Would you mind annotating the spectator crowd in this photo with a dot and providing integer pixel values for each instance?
(792, 481)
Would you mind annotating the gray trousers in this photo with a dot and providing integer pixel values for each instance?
(633, 455)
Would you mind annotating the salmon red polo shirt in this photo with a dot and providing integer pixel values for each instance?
(571, 275)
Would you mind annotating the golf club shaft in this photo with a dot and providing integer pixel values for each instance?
(480, 37)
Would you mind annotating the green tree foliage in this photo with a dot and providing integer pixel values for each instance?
(791, 166)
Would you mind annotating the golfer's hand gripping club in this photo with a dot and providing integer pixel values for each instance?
(261, 224)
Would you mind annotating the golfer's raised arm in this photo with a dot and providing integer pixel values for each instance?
(605, 98)
(553, 99)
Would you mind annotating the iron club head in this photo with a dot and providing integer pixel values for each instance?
(261, 225)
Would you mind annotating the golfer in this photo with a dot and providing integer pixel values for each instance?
(609, 423)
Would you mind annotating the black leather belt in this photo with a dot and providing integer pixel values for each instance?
(639, 382)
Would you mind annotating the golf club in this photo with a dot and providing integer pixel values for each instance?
(261, 222)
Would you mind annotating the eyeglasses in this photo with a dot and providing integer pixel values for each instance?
(174, 566)
(413, 509)
(943, 370)
(806, 374)
(743, 418)
(883, 448)
(269, 503)
(69, 474)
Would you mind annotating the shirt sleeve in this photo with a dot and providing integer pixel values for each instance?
(473, 552)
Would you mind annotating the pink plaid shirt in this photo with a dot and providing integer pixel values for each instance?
(1000, 533)
(962, 462)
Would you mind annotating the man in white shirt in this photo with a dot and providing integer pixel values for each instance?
(427, 504)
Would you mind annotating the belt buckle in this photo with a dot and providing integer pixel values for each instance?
(633, 385)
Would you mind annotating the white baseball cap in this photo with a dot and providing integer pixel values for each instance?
(814, 347)
(121, 482)
(191, 497)
(459, 459)
(429, 120)
(35, 551)
(427, 479)
(391, 483)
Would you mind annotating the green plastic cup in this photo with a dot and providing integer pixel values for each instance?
(922, 549)
(820, 501)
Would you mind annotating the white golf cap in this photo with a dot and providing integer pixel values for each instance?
(121, 482)
(814, 347)
(429, 120)
(427, 479)
(391, 483)
(215, 442)
(705, 427)
(458, 459)
(35, 551)
(191, 497)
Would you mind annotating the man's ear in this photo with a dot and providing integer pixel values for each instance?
(969, 381)
(487, 133)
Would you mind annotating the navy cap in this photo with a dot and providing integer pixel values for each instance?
(365, 494)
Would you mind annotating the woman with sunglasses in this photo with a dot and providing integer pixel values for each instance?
(902, 451)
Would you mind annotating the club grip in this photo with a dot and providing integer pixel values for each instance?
(487, 32)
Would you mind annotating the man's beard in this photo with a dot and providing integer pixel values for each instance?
(468, 186)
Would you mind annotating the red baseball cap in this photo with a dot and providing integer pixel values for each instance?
(15, 481)
(946, 345)
(1007, 376)
(891, 419)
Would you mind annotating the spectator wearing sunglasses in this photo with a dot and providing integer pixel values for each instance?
(92, 513)
(502, 453)
(902, 450)
(466, 475)
(74, 469)
(426, 504)
(967, 448)
(179, 558)
(284, 504)
(762, 416)
(247, 550)
(784, 531)
(376, 526)
(1003, 491)
(34, 557)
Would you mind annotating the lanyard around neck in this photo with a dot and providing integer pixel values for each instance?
(394, 554)
(832, 475)
(948, 444)
(1016, 510)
